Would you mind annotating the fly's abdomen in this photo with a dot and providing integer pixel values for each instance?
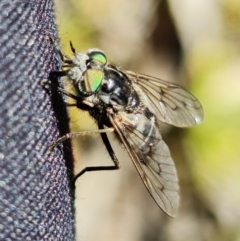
(142, 132)
(146, 140)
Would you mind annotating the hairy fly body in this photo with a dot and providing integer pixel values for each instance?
(132, 105)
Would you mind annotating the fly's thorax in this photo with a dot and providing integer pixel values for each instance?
(116, 90)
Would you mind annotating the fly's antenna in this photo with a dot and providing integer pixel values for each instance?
(72, 48)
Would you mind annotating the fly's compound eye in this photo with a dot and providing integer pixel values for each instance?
(93, 76)
(92, 79)
(97, 58)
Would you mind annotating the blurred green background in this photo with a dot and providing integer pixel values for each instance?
(194, 44)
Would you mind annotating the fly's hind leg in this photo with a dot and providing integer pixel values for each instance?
(75, 134)
(101, 168)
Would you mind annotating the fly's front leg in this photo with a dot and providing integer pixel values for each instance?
(80, 103)
(63, 91)
(58, 50)
(111, 153)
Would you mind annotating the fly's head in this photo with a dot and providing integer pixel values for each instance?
(99, 83)
(86, 71)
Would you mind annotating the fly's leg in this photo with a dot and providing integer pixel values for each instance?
(63, 91)
(65, 59)
(82, 104)
(101, 168)
(58, 50)
(109, 147)
(75, 134)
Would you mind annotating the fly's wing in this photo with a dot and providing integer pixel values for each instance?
(169, 102)
(152, 160)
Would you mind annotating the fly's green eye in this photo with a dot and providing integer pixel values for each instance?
(98, 58)
(92, 79)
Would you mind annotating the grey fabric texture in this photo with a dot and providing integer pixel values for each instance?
(36, 201)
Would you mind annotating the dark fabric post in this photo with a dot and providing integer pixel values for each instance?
(36, 202)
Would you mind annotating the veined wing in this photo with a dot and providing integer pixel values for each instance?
(151, 158)
(169, 102)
